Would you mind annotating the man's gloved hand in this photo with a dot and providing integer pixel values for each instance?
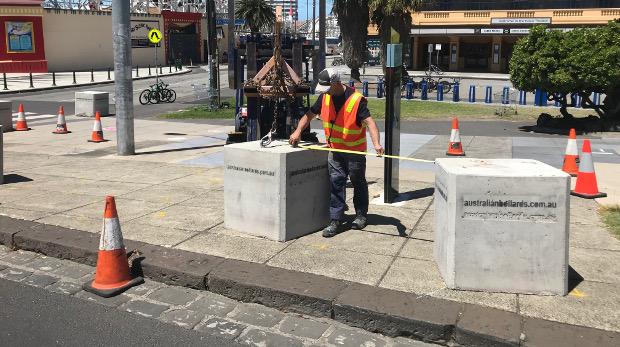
(380, 150)
(295, 139)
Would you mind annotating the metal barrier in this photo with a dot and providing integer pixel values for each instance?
(472, 93)
(522, 97)
(409, 91)
(489, 95)
(379, 90)
(365, 89)
(440, 92)
(424, 94)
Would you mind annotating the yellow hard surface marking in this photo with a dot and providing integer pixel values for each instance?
(321, 247)
(575, 292)
(215, 180)
(119, 182)
(80, 218)
(198, 172)
(82, 177)
(161, 214)
(30, 186)
(362, 153)
(94, 202)
(162, 199)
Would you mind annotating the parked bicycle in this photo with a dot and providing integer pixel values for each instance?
(158, 92)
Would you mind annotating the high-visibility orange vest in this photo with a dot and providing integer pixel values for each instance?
(341, 130)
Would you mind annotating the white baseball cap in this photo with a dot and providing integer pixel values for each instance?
(327, 77)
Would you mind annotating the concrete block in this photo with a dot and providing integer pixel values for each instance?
(502, 225)
(278, 192)
(6, 115)
(88, 103)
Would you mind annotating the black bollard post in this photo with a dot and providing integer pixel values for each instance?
(160, 72)
(92, 75)
(175, 68)
(74, 82)
(109, 73)
(31, 85)
(170, 68)
(149, 69)
(54, 79)
(137, 73)
(5, 86)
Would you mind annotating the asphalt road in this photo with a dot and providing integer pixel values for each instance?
(31, 316)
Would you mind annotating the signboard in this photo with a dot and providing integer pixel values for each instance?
(140, 33)
(491, 31)
(19, 37)
(225, 21)
(544, 20)
(438, 46)
(374, 51)
(155, 36)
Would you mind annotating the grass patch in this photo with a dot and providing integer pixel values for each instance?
(611, 218)
(409, 110)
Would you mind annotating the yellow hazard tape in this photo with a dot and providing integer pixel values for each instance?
(363, 153)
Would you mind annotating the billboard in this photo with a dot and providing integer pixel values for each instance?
(19, 37)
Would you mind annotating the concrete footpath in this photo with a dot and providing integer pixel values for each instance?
(383, 279)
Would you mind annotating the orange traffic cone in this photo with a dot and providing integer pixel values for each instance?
(571, 158)
(455, 147)
(22, 125)
(61, 125)
(586, 186)
(112, 276)
(97, 131)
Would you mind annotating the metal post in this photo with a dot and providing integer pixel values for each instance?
(123, 84)
(137, 72)
(74, 82)
(109, 73)
(92, 75)
(4, 77)
(160, 70)
(150, 64)
(170, 68)
(31, 85)
(156, 74)
(53, 79)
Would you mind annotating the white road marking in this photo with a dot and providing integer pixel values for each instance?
(38, 117)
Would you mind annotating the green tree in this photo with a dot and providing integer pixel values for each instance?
(388, 14)
(258, 14)
(579, 62)
(353, 20)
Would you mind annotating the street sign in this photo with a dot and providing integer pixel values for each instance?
(155, 36)
(438, 46)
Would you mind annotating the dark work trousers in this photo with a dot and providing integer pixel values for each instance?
(340, 166)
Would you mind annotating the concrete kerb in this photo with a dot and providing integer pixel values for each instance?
(379, 310)
(38, 89)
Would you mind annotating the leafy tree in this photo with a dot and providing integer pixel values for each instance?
(258, 14)
(353, 20)
(579, 62)
(395, 14)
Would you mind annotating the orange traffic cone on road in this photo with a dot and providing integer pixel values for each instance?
(22, 125)
(112, 276)
(455, 147)
(61, 125)
(97, 131)
(571, 158)
(586, 186)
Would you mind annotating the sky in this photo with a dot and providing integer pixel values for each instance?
(304, 8)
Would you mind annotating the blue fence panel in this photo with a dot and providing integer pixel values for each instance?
(379, 90)
(409, 91)
(455, 93)
(472, 93)
(522, 97)
(440, 92)
(365, 89)
(506, 96)
(424, 95)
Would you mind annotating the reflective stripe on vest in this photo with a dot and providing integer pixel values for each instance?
(349, 144)
(343, 130)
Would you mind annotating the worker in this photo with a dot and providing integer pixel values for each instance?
(345, 119)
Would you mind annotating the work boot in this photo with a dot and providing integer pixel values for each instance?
(360, 222)
(333, 229)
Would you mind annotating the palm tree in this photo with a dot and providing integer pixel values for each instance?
(258, 14)
(353, 20)
(395, 14)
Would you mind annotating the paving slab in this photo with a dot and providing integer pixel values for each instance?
(488, 327)
(541, 333)
(144, 308)
(594, 264)
(222, 327)
(261, 338)
(174, 295)
(184, 318)
(213, 305)
(259, 316)
(349, 337)
(302, 327)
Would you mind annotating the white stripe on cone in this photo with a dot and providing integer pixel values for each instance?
(97, 126)
(571, 147)
(454, 136)
(585, 163)
(111, 236)
(21, 117)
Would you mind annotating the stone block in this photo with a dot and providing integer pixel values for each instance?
(502, 225)
(89, 102)
(6, 115)
(277, 192)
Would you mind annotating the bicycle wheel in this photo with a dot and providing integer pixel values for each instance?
(172, 95)
(447, 87)
(154, 96)
(145, 97)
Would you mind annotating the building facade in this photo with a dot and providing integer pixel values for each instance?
(480, 35)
